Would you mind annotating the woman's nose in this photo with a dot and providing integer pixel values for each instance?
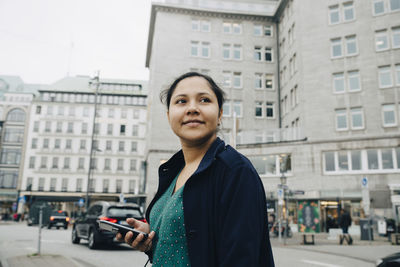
(192, 107)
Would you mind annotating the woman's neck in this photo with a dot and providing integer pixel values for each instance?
(193, 154)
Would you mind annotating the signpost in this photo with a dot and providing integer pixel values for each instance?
(366, 203)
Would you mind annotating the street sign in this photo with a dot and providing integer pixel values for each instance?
(22, 199)
(365, 195)
(81, 201)
(122, 198)
(364, 182)
(280, 196)
(298, 192)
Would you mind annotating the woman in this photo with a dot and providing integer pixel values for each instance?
(210, 207)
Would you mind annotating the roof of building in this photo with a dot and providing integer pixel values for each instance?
(258, 8)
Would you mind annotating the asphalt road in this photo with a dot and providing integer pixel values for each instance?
(18, 239)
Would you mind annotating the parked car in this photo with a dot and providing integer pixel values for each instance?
(86, 226)
(392, 260)
(58, 219)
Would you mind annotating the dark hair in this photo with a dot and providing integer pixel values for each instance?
(165, 95)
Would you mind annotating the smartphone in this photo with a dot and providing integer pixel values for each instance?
(122, 229)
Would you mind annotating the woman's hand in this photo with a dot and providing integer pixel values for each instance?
(137, 242)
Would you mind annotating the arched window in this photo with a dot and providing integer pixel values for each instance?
(17, 115)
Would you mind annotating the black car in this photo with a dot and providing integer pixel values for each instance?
(58, 219)
(86, 226)
(392, 260)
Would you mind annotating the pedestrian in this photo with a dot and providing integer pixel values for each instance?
(210, 206)
(344, 223)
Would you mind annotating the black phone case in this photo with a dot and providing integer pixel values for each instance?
(122, 229)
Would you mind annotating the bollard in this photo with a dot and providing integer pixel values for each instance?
(40, 228)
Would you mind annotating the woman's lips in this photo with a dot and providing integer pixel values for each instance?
(192, 123)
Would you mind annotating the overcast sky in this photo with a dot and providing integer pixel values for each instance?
(43, 40)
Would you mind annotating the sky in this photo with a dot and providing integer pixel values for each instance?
(43, 41)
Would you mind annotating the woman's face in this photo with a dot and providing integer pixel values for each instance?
(193, 112)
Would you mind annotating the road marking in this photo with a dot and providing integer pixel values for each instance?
(320, 263)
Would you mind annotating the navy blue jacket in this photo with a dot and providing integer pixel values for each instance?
(225, 209)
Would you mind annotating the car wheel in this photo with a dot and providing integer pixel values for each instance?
(58, 227)
(75, 238)
(65, 226)
(49, 226)
(92, 240)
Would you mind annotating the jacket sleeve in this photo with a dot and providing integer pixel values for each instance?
(242, 232)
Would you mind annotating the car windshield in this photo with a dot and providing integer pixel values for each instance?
(124, 212)
(59, 213)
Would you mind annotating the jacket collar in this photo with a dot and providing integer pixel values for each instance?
(178, 161)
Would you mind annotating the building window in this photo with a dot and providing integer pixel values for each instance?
(41, 184)
(394, 5)
(66, 163)
(68, 144)
(341, 119)
(109, 129)
(354, 81)
(338, 83)
(381, 41)
(379, 7)
(258, 81)
(268, 30)
(343, 161)
(348, 11)
(133, 165)
(57, 144)
(334, 15)
(205, 26)
(81, 163)
(106, 184)
(237, 108)
(34, 143)
(64, 184)
(196, 25)
(389, 115)
(121, 146)
(32, 161)
(59, 127)
(385, 77)
(118, 186)
(351, 45)
(38, 109)
(82, 144)
(29, 183)
(226, 109)
(132, 186)
(84, 128)
(70, 128)
(387, 159)
(200, 49)
(227, 27)
(120, 166)
(396, 37)
(55, 163)
(226, 79)
(336, 48)
(133, 146)
(107, 164)
(237, 28)
(46, 143)
(92, 185)
(258, 30)
(357, 121)
(36, 126)
(79, 185)
(258, 109)
(108, 145)
(268, 54)
(372, 156)
(237, 52)
(47, 128)
(270, 107)
(226, 51)
(135, 130)
(237, 80)
(257, 53)
(122, 130)
(43, 162)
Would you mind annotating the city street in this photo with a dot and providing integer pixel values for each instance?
(18, 239)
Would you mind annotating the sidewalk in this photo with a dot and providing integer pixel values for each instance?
(360, 249)
(41, 261)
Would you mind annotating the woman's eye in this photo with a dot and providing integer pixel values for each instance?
(180, 101)
(205, 100)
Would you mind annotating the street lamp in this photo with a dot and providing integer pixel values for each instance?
(96, 82)
(283, 179)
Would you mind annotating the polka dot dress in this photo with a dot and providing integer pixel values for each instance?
(167, 220)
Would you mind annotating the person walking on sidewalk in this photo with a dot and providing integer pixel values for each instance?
(344, 223)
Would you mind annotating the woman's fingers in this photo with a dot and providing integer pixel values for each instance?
(138, 242)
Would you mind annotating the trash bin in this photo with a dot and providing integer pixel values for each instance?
(364, 227)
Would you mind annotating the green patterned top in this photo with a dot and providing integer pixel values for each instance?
(167, 220)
